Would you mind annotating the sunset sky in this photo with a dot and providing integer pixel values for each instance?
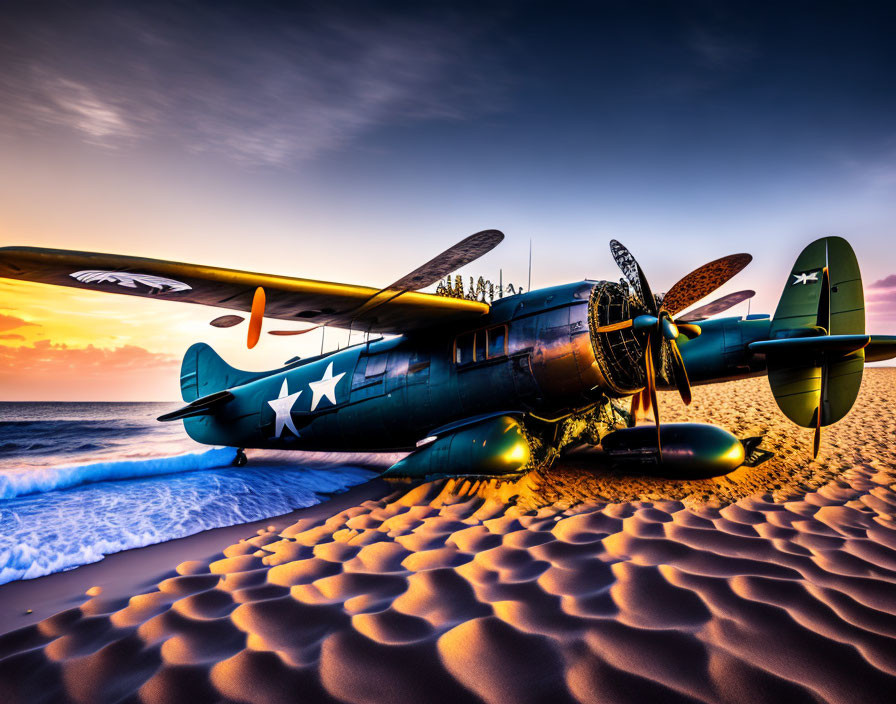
(354, 141)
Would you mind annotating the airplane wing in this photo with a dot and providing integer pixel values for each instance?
(293, 299)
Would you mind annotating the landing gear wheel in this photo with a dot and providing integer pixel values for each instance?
(240, 460)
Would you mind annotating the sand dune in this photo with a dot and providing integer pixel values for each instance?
(772, 584)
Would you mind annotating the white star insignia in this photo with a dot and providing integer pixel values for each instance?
(326, 387)
(282, 407)
(804, 278)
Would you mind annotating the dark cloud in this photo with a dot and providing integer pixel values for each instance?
(254, 81)
(279, 83)
(886, 282)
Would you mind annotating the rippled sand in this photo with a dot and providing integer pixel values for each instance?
(772, 584)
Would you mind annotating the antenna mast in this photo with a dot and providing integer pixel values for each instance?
(529, 286)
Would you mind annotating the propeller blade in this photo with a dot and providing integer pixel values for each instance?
(651, 389)
(703, 281)
(633, 273)
(467, 250)
(681, 374)
(649, 298)
(257, 315)
(645, 399)
(689, 330)
(286, 333)
(635, 410)
(452, 259)
(720, 305)
(227, 321)
(615, 326)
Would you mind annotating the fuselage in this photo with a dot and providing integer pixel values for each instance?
(532, 354)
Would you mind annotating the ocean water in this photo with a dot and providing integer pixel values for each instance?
(79, 481)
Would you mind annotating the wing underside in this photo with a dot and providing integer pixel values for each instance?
(292, 299)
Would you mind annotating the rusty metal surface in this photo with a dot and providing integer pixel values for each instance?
(227, 321)
(703, 281)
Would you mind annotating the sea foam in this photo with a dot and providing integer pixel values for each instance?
(38, 480)
(42, 533)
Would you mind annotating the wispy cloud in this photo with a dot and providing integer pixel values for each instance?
(881, 299)
(52, 371)
(49, 357)
(12, 322)
(720, 51)
(259, 88)
(77, 105)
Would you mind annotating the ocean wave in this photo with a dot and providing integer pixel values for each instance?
(58, 530)
(49, 441)
(15, 483)
(73, 427)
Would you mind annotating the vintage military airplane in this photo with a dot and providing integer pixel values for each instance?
(477, 388)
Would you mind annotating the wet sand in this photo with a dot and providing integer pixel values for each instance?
(776, 583)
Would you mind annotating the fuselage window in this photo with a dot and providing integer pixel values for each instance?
(497, 339)
(463, 349)
(480, 345)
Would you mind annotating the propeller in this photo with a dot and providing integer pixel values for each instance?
(255, 318)
(720, 305)
(467, 250)
(660, 331)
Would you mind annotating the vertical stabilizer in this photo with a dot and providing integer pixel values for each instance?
(203, 372)
(816, 384)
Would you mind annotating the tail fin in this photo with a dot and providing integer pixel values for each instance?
(203, 372)
(815, 381)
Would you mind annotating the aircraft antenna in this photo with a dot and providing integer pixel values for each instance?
(529, 286)
(323, 333)
(500, 283)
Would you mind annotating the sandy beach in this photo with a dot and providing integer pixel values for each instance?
(577, 584)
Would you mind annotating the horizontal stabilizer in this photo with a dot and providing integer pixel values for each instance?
(207, 405)
(843, 344)
(880, 348)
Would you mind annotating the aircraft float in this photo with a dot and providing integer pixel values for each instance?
(496, 388)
